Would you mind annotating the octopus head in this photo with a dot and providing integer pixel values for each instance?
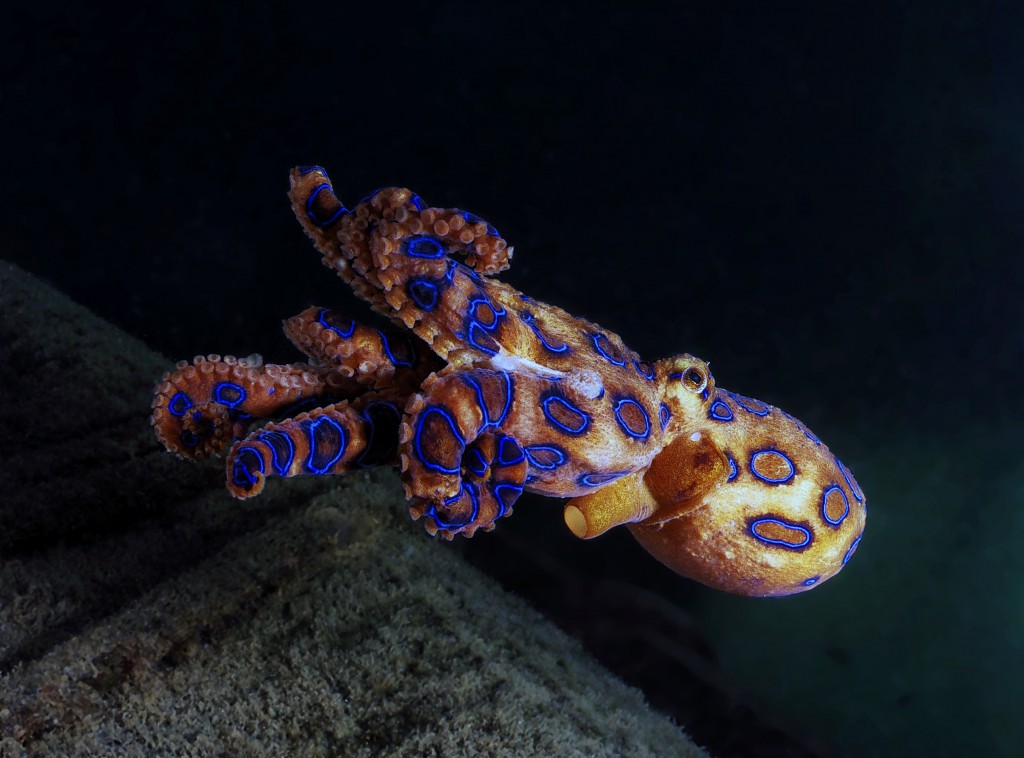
(778, 514)
(743, 497)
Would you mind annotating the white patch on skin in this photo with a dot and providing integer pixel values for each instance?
(587, 383)
(695, 437)
(514, 363)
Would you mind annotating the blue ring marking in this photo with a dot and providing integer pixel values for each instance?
(423, 246)
(824, 504)
(316, 445)
(734, 470)
(370, 196)
(677, 376)
(664, 414)
(474, 498)
(508, 398)
(781, 543)
(371, 455)
(771, 451)
(321, 318)
(475, 333)
(312, 214)
(228, 388)
(752, 408)
(472, 218)
(391, 356)
(282, 450)
(604, 354)
(417, 444)
(537, 454)
(803, 428)
(484, 413)
(417, 202)
(720, 411)
(517, 457)
(622, 422)
(850, 481)
(600, 478)
(179, 404)
(423, 292)
(584, 419)
(853, 547)
(241, 471)
(528, 319)
(188, 438)
(496, 312)
(475, 462)
(811, 582)
(704, 394)
(499, 495)
(648, 374)
(304, 170)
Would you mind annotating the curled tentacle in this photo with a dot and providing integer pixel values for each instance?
(492, 472)
(329, 440)
(376, 359)
(459, 469)
(202, 406)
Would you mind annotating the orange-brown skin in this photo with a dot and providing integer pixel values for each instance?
(497, 393)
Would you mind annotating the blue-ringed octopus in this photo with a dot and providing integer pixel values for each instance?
(477, 393)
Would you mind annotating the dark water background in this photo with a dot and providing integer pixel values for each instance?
(824, 202)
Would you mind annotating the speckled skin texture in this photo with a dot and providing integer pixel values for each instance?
(479, 392)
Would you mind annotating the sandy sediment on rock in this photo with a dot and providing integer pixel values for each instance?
(143, 611)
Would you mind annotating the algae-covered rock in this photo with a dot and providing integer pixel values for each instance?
(143, 611)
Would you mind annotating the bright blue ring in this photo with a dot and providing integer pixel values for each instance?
(175, 408)
(471, 489)
(321, 318)
(309, 207)
(519, 456)
(765, 479)
(849, 553)
(648, 374)
(311, 428)
(584, 419)
(824, 502)
(739, 401)
(498, 490)
(715, 411)
(625, 427)
(532, 449)
(220, 387)
(597, 346)
(266, 438)
(413, 245)
(387, 350)
(854, 488)
(600, 479)
(419, 432)
(424, 300)
(781, 543)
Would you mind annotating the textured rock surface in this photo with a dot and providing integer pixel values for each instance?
(142, 609)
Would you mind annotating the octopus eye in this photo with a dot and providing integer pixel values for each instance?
(695, 380)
